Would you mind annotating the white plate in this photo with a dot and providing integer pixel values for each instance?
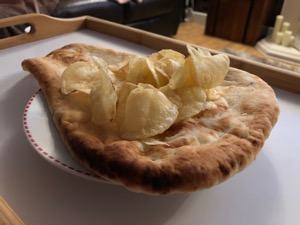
(45, 139)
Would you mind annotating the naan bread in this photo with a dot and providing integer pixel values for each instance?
(196, 153)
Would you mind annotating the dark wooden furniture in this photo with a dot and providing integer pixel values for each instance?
(241, 21)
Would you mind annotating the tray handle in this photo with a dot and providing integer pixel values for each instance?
(41, 26)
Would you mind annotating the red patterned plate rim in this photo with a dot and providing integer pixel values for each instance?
(59, 157)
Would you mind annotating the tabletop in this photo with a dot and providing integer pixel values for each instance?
(267, 192)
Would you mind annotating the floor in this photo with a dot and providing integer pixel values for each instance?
(194, 33)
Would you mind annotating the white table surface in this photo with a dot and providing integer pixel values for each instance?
(265, 193)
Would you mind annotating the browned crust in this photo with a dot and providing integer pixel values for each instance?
(180, 167)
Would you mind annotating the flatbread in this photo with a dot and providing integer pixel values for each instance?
(196, 153)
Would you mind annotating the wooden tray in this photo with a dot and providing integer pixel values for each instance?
(281, 187)
(7, 215)
(43, 26)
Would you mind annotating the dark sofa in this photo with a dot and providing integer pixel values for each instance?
(158, 16)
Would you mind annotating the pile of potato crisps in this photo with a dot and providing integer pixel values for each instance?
(143, 96)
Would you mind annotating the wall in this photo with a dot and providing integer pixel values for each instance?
(291, 13)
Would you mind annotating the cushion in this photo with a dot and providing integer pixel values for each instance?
(146, 9)
(108, 10)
